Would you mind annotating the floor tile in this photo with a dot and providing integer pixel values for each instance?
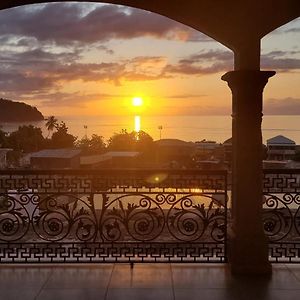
(72, 294)
(24, 277)
(271, 294)
(92, 276)
(295, 269)
(141, 276)
(282, 278)
(207, 294)
(138, 294)
(201, 276)
(17, 293)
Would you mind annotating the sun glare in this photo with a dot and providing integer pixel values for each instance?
(137, 101)
(137, 123)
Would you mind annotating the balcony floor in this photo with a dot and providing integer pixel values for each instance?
(145, 281)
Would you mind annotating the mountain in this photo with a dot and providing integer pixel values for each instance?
(12, 111)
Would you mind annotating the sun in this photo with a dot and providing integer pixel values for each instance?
(137, 101)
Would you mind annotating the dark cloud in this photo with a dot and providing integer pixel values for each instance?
(39, 71)
(202, 63)
(294, 30)
(63, 24)
(286, 106)
(281, 60)
(213, 61)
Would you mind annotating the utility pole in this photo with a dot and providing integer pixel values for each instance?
(85, 128)
(160, 129)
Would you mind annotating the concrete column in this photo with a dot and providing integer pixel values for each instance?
(248, 249)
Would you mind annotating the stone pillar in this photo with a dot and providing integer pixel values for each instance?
(248, 249)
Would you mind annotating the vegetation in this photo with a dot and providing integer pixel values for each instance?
(11, 111)
(93, 145)
(51, 124)
(26, 139)
(133, 141)
(29, 138)
(61, 138)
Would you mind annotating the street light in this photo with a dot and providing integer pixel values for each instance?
(85, 127)
(160, 129)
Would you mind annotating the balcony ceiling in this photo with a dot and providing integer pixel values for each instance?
(233, 23)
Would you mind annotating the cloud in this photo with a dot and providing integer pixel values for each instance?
(196, 110)
(71, 99)
(39, 70)
(185, 96)
(214, 61)
(294, 30)
(202, 63)
(283, 61)
(64, 24)
(286, 106)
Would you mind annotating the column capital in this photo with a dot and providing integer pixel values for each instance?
(236, 78)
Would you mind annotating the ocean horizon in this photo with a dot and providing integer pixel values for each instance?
(188, 128)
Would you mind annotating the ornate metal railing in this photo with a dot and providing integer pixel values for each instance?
(281, 214)
(113, 216)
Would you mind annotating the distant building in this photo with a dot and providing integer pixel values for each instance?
(210, 150)
(111, 159)
(56, 159)
(275, 164)
(174, 153)
(227, 145)
(3, 157)
(280, 148)
(208, 155)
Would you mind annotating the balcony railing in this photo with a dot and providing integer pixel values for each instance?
(135, 216)
(113, 216)
(281, 214)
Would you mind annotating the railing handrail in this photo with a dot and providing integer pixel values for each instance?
(281, 171)
(121, 171)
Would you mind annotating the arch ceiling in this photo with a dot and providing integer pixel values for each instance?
(237, 24)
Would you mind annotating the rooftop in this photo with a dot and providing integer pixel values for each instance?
(93, 159)
(280, 140)
(56, 153)
(174, 142)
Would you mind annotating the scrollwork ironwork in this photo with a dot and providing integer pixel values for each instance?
(79, 209)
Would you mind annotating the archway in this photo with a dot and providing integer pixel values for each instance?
(232, 24)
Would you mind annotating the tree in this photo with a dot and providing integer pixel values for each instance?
(133, 141)
(61, 138)
(122, 141)
(94, 145)
(26, 139)
(3, 139)
(144, 142)
(51, 124)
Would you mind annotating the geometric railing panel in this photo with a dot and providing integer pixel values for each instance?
(113, 216)
(281, 214)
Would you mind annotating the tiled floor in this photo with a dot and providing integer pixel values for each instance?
(145, 281)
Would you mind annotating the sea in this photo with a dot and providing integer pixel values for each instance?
(187, 128)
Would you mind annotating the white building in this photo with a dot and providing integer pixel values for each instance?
(280, 148)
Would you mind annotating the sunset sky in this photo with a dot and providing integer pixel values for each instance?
(92, 59)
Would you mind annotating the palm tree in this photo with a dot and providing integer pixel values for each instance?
(51, 124)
